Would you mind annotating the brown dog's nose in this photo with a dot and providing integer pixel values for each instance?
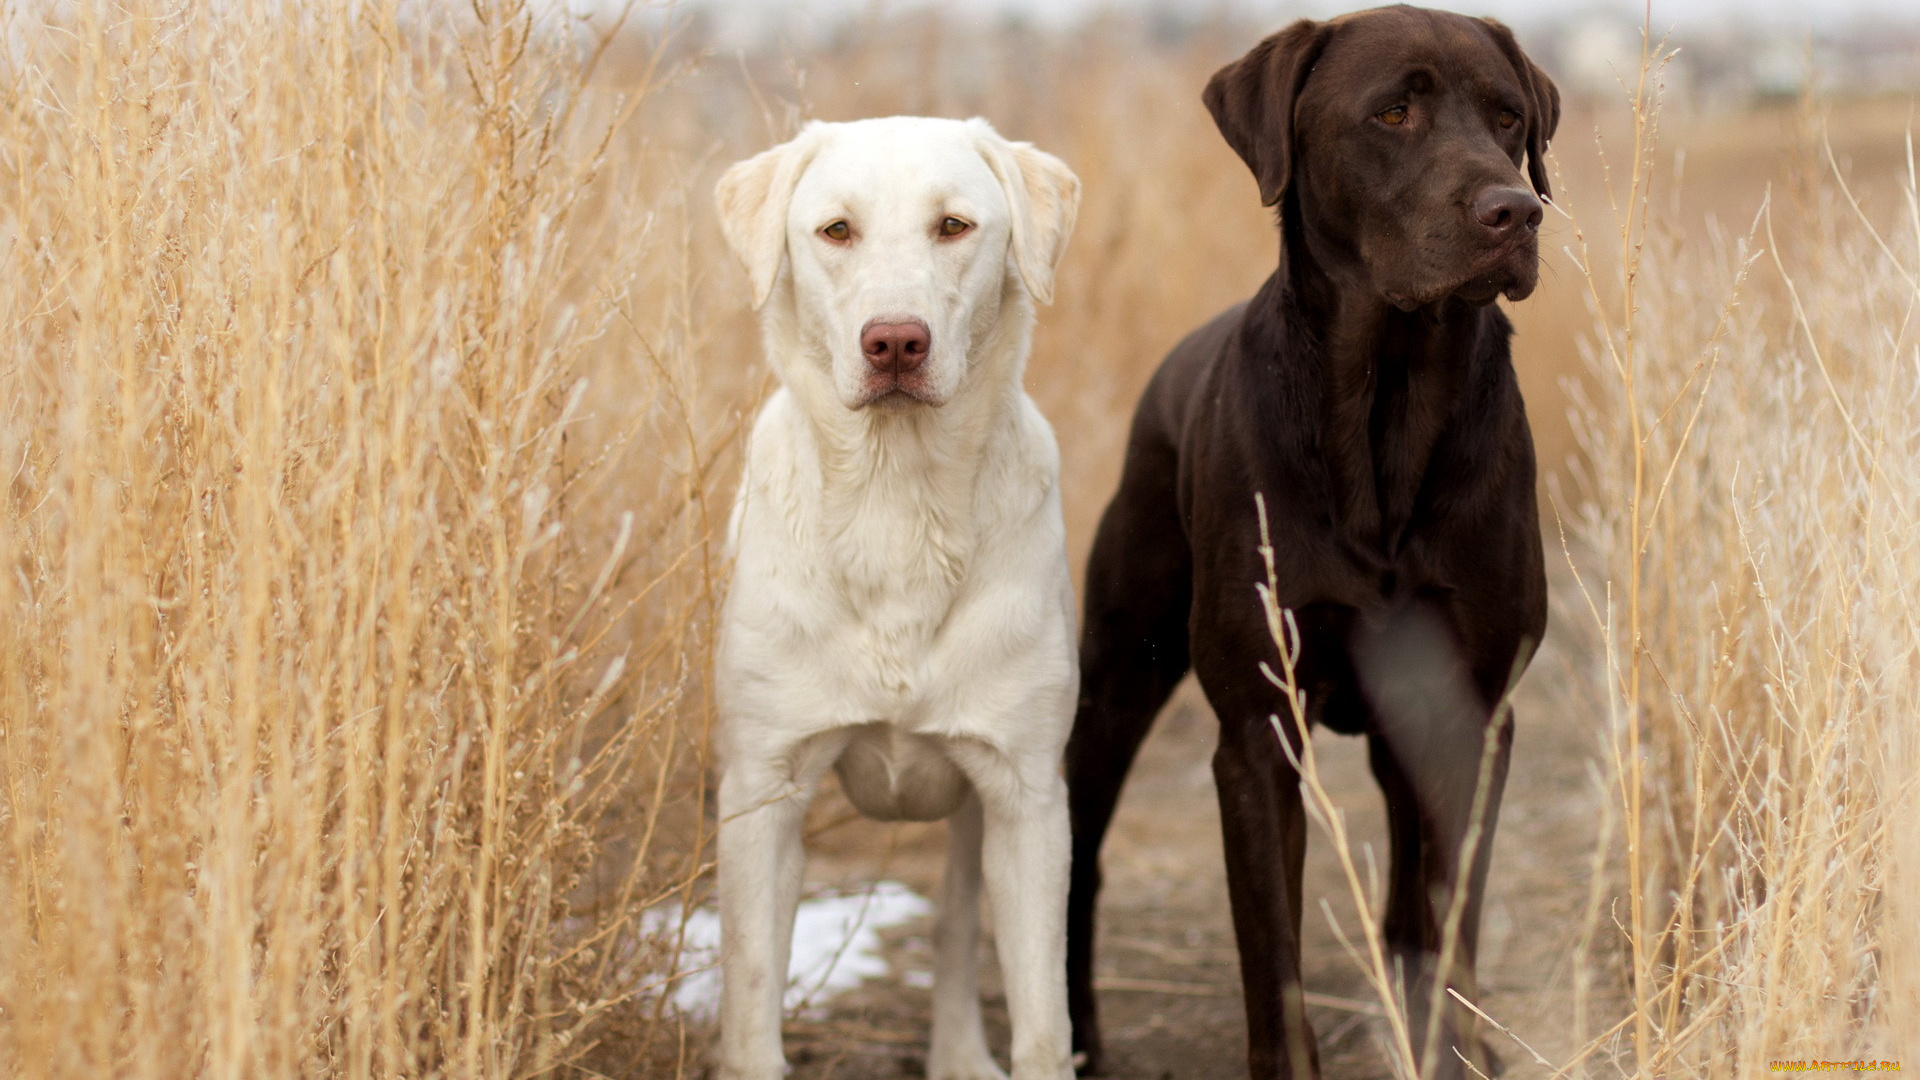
(896, 348)
(1505, 211)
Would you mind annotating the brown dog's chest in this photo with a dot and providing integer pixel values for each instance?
(1379, 440)
(1397, 488)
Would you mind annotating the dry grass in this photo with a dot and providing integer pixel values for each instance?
(369, 417)
(1755, 464)
(313, 613)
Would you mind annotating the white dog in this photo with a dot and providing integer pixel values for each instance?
(901, 608)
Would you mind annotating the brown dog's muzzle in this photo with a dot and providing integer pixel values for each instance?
(1505, 220)
(1507, 213)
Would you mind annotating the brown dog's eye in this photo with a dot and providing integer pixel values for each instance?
(1508, 118)
(953, 226)
(838, 232)
(1393, 117)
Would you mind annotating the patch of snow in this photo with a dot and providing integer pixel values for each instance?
(836, 946)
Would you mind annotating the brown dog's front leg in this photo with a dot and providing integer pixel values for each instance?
(1426, 845)
(1265, 829)
(1428, 748)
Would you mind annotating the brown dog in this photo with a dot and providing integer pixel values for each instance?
(1367, 391)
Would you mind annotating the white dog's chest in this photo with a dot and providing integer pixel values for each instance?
(901, 571)
(870, 624)
(901, 601)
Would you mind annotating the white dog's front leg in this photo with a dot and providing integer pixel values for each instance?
(1026, 848)
(959, 1050)
(761, 863)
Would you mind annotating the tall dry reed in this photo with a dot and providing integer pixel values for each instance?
(317, 580)
(1755, 453)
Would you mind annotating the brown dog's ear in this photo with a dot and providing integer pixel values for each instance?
(1252, 99)
(752, 199)
(1543, 112)
(1044, 197)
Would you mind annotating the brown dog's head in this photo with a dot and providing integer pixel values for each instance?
(1393, 142)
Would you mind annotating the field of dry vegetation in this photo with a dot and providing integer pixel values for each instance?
(370, 405)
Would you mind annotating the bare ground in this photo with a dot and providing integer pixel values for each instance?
(1168, 975)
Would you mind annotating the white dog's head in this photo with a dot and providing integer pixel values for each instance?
(896, 239)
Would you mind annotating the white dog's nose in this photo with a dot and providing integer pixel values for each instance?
(896, 347)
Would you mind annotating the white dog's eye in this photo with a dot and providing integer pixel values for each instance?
(953, 226)
(839, 232)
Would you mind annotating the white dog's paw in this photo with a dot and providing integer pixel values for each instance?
(763, 1070)
(1044, 1066)
(972, 1063)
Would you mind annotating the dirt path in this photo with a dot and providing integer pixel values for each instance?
(1168, 971)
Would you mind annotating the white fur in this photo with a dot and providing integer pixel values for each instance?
(901, 607)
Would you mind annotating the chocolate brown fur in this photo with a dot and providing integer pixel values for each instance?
(1367, 392)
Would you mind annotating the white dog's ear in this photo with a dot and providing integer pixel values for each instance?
(752, 198)
(1045, 198)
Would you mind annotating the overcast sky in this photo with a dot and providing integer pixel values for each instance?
(1665, 12)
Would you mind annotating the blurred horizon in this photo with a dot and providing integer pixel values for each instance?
(1725, 55)
(1666, 15)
